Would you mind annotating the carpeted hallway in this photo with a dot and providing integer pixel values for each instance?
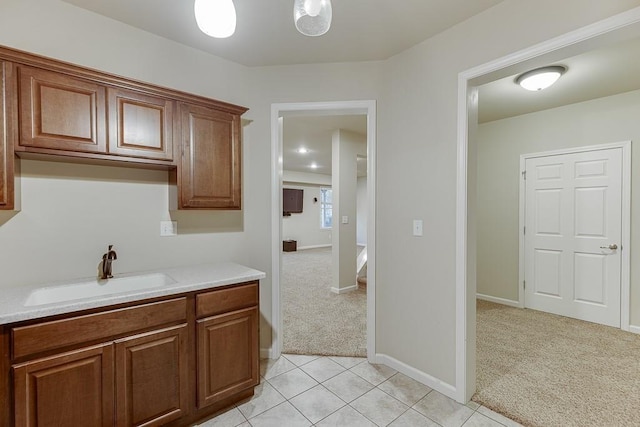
(546, 370)
(316, 320)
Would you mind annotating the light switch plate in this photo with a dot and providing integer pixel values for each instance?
(168, 228)
(345, 219)
(417, 227)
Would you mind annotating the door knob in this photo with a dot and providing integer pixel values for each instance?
(613, 247)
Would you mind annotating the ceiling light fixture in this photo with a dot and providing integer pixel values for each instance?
(313, 165)
(540, 78)
(312, 17)
(215, 18)
(302, 150)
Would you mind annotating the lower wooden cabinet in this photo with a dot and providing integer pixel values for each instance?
(158, 363)
(152, 377)
(70, 389)
(227, 355)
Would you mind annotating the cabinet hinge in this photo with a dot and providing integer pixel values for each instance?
(524, 175)
(524, 230)
(524, 284)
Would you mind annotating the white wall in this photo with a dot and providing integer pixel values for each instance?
(416, 93)
(417, 134)
(500, 144)
(305, 227)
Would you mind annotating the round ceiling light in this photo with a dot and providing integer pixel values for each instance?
(215, 18)
(540, 78)
(312, 17)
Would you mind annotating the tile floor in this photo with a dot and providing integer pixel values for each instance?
(302, 391)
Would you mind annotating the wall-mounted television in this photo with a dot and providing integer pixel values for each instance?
(291, 201)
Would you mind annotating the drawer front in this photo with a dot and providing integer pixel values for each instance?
(225, 300)
(33, 339)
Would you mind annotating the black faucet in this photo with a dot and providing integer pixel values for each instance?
(107, 259)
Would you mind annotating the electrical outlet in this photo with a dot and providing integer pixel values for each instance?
(417, 227)
(168, 228)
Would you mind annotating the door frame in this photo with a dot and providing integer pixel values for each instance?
(589, 37)
(625, 241)
(278, 111)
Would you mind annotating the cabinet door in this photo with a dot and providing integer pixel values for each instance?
(67, 390)
(228, 360)
(61, 112)
(6, 144)
(211, 159)
(152, 377)
(140, 125)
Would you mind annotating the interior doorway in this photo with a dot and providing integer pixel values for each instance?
(278, 112)
(603, 33)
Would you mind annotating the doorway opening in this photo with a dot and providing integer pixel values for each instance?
(605, 33)
(342, 108)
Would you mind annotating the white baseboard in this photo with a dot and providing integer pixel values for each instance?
(503, 301)
(302, 248)
(634, 329)
(424, 378)
(344, 290)
(266, 353)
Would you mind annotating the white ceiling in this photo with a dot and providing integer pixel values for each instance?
(361, 30)
(364, 30)
(314, 133)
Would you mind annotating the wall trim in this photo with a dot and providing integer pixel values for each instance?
(634, 329)
(344, 290)
(422, 377)
(278, 110)
(498, 300)
(468, 107)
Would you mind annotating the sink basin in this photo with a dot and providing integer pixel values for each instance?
(97, 288)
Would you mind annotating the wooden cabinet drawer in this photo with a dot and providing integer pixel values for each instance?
(33, 339)
(225, 300)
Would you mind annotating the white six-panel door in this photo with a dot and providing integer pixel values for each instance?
(573, 220)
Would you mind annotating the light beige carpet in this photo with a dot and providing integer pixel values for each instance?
(316, 320)
(546, 370)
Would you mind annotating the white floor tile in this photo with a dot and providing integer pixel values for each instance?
(472, 405)
(412, 418)
(498, 417)
(300, 359)
(231, 418)
(405, 389)
(282, 415)
(348, 362)
(264, 398)
(379, 407)
(317, 403)
(322, 369)
(375, 374)
(346, 417)
(292, 383)
(270, 368)
(443, 410)
(348, 386)
(479, 420)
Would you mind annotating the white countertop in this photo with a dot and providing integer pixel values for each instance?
(187, 279)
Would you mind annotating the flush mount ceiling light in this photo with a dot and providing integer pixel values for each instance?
(314, 165)
(215, 18)
(302, 150)
(312, 17)
(540, 78)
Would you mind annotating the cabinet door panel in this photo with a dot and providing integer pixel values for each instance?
(6, 144)
(228, 359)
(211, 162)
(140, 125)
(61, 112)
(68, 390)
(151, 377)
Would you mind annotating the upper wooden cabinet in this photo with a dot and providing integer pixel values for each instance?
(60, 112)
(51, 108)
(210, 171)
(140, 125)
(6, 146)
